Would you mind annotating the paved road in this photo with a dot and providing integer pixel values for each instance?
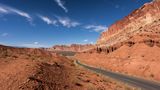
(141, 83)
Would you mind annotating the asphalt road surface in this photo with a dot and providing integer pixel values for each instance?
(134, 81)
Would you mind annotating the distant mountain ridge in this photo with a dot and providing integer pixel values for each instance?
(72, 47)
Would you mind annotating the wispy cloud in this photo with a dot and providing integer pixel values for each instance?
(61, 4)
(86, 40)
(33, 45)
(66, 22)
(59, 21)
(36, 43)
(48, 20)
(10, 10)
(2, 10)
(96, 28)
(91, 42)
(4, 34)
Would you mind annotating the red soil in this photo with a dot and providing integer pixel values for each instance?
(21, 69)
(140, 60)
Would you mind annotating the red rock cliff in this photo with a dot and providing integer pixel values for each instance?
(118, 32)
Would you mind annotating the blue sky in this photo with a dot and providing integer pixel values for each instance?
(44, 23)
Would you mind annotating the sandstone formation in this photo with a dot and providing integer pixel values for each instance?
(131, 24)
(131, 45)
(73, 47)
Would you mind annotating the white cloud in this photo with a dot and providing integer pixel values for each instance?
(91, 42)
(63, 21)
(4, 34)
(10, 10)
(66, 22)
(48, 20)
(61, 4)
(21, 13)
(96, 28)
(86, 40)
(2, 10)
(36, 43)
(33, 45)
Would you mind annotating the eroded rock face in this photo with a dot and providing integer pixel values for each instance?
(131, 24)
(73, 47)
(131, 45)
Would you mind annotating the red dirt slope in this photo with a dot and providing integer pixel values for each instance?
(36, 69)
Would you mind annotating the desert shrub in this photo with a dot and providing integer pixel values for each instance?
(149, 43)
(14, 56)
(78, 84)
(152, 75)
(99, 50)
(130, 43)
(158, 44)
(141, 28)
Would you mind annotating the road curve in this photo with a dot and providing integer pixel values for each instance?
(134, 81)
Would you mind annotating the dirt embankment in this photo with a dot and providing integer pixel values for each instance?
(22, 69)
(134, 58)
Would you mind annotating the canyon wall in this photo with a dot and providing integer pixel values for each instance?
(131, 45)
(131, 24)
